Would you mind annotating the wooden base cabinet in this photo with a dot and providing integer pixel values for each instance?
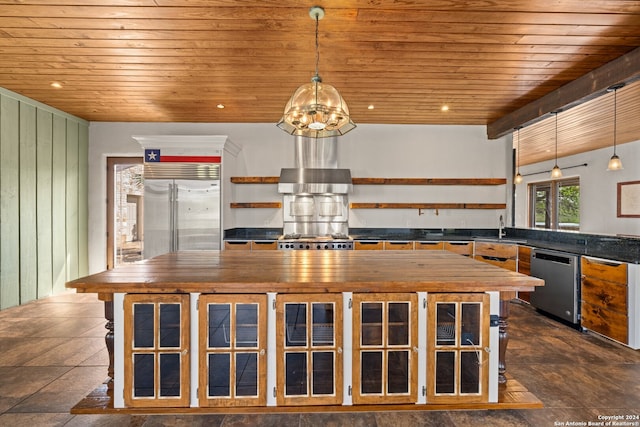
(232, 357)
(256, 350)
(429, 246)
(385, 336)
(368, 245)
(393, 245)
(156, 350)
(250, 245)
(462, 248)
(610, 299)
(309, 349)
(524, 267)
(501, 254)
(457, 339)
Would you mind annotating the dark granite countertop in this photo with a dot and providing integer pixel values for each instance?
(618, 248)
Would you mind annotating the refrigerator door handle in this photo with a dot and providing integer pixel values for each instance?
(171, 219)
(176, 235)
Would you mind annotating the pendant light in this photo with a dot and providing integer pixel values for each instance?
(615, 164)
(316, 109)
(556, 172)
(518, 178)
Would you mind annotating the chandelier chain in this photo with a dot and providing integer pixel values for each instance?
(317, 47)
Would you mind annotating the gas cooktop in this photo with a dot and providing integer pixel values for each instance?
(298, 242)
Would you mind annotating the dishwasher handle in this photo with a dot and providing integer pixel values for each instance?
(568, 260)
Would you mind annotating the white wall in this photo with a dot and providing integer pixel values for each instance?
(401, 151)
(598, 188)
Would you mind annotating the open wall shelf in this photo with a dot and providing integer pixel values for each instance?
(388, 181)
(383, 181)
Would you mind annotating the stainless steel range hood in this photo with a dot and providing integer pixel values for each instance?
(315, 191)
(315, 181)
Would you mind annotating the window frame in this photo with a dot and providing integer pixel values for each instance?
(553, 186)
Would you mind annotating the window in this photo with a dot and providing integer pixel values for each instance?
(555, 204)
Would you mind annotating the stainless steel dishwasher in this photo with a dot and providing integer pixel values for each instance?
(561, 293)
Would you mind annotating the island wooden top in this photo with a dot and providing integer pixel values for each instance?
(240, 272)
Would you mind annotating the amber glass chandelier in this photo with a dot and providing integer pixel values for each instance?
(316, 109)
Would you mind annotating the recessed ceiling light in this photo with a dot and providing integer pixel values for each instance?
(371, 107)
(56, 85)
(444, 108)
(220, 106)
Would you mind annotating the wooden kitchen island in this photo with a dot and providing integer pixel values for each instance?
(229, 331)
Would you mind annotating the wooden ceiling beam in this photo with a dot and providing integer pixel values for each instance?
(624, 69)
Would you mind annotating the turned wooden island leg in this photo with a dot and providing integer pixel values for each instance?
(109, 337)
(503, 340)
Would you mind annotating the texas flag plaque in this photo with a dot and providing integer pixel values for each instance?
(152, 155)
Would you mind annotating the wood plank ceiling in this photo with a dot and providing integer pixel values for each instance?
(176, 60)
(586, 127)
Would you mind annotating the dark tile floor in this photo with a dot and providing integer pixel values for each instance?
(52, 355)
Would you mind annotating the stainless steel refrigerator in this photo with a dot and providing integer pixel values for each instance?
(181, 208)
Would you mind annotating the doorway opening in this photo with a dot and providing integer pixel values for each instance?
(125, 189)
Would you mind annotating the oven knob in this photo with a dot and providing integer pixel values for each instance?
(307, 247)
(326, 246)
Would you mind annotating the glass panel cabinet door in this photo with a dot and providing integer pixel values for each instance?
(156, 339)
(385, 359)
(457, 336)
(309, 349)
(233, 340)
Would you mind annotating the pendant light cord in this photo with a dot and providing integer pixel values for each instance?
(518, 149)
(615, 106)
(556, 113)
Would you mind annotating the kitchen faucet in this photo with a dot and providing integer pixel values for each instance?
(501, 232)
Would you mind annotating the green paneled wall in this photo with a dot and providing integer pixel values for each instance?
(43, 199)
